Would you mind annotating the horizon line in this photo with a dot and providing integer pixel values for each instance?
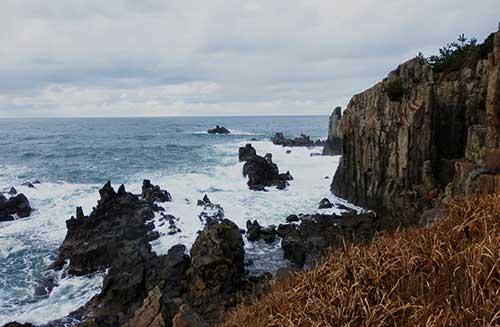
(191, 116)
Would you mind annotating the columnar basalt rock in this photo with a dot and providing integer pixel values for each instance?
(417, 133)
(333, 144)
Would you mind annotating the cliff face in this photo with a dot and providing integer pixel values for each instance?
(417, 137)
(333, 144)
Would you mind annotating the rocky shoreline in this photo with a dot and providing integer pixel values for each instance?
(187, 287)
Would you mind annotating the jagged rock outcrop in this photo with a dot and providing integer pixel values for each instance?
(141, 288)
(262, 172)
(333, 144)
(417, 133)
(153, 193)
(219, 130)
(212, 212)
(302, 140)
(14, 206)
(246, 152)
(305, 243)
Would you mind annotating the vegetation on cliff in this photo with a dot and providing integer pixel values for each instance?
(446, 275)
(456, 54)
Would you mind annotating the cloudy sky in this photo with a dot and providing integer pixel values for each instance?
(214, 57)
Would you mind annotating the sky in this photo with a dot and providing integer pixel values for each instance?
(109, 58)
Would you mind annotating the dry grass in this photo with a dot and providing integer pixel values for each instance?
(448, 275)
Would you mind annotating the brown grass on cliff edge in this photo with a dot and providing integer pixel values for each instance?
(448, 275)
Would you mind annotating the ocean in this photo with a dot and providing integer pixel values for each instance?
(73, 158)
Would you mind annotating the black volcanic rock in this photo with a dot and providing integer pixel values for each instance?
(153, 193)
(325, 204)
(246, 152)
(17, 205)
(253, 230)
(114, 229)
(307, 242)
(219, 130)
(302, 140)
(212, 212)
(262, 172)
(141, 288)
(292, 218)
(217, 269)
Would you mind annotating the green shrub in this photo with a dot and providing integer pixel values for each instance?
(453, 55)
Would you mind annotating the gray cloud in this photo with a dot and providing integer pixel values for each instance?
(132, 58)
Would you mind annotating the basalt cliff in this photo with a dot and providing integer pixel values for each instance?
(419, 137)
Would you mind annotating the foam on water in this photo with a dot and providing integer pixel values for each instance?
(28, 245)
(225, 185)
(26, 248)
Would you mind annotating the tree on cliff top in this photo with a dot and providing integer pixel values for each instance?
(453, 55)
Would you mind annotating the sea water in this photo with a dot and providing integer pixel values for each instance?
(73, 158)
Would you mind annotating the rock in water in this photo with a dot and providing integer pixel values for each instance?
(253, 230)
(246, 153)
(219, 130)
(302, 140)
(211, 212)
(325, 204)
(114, 232)
(261, 171)
(17, 205)
(142, 289)
(153, 193)
(333, 144)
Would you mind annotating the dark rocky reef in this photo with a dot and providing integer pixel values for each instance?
(307, 242)
(333, 144)
(153, 193)
(256, 232)
(212, 212)
(261, 171)
(17, 205)
(437, 137)
(246, 152)
(218, 130)
(144, 289)
(302, 140)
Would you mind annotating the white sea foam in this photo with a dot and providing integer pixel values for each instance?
(224, 184)
(25, 249)
(70, 294)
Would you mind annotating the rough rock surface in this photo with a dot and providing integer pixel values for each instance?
(153, 193)
(246, 152)
(403, 149)
(333, 144)
(262, 172)
(142, 289)
(219, 130)
(305, 243)
(211, 212)
(302, 140)
(14, 206)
